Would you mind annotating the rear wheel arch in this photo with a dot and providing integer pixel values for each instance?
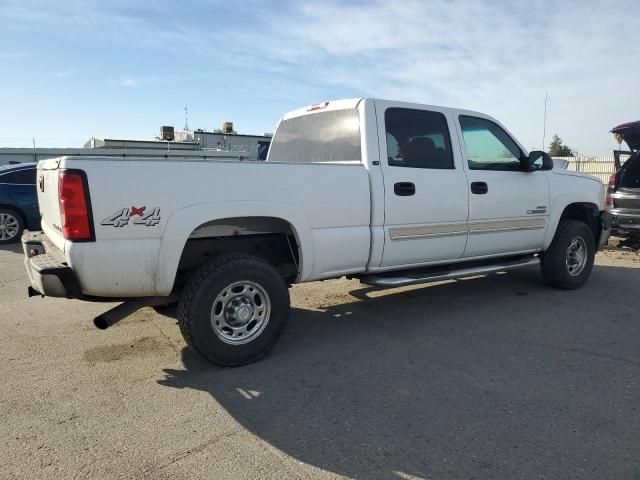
(273, 239)
(182, 223)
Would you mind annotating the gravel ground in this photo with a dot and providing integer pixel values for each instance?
(496, 377)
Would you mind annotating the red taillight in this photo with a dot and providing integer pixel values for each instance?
(74, 206)
(611, 188)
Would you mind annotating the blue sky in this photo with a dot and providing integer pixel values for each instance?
(75, 69)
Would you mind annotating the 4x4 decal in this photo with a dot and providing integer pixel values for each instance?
(122, 217)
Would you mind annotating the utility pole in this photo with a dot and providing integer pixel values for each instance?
(544, 122)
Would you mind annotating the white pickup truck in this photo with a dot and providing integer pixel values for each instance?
(388, 192)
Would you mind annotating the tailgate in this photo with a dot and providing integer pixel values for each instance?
(48, 200)
(630, 133)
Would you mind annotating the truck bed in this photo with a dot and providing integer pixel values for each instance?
(329, 204)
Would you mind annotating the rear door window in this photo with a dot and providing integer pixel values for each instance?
(417, 139)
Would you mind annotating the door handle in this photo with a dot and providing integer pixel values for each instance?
(404, 189)
(479, 188)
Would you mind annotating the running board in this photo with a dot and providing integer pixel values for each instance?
(418, 276)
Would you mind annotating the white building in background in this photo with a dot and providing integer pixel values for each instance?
(226, 140)
(225, 144)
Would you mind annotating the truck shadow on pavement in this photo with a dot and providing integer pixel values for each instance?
(499, 377)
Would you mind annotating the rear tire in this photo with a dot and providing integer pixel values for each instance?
(568, 261)
(11, 226)
(234, 309)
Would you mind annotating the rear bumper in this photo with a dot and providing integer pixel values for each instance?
(606, 226)
(47, 269)
(626, 219)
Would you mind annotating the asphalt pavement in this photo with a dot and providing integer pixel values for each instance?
(496, 377)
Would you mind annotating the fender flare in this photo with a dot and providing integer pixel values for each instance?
(558, 207)
(184, 221)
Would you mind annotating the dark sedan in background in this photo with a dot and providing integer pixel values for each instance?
(18, 201)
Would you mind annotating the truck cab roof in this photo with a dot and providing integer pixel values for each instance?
(348, 103)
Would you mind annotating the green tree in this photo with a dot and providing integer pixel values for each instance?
(559, 149)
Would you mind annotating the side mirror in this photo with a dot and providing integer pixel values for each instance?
(538, 160)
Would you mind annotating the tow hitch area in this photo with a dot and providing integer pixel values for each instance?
(32, 292)
(117, 313)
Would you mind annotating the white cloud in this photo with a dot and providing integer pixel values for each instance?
(128, 82)
(493, 56)
(65, 73)
(132, 81)
(498, 58)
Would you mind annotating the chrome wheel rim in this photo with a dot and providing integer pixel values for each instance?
(576, 256)
(240, 312)
(9, 226)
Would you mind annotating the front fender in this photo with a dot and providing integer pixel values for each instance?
(184, 221)
(558, 206)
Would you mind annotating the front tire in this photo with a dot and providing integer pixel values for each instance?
(234, 309)
(568, 261)
(11, 226)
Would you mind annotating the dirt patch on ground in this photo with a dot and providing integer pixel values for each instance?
(139, 347)
(625, 244)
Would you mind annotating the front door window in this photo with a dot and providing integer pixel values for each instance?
(488, 146)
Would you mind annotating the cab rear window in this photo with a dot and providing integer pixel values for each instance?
(325, 137)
